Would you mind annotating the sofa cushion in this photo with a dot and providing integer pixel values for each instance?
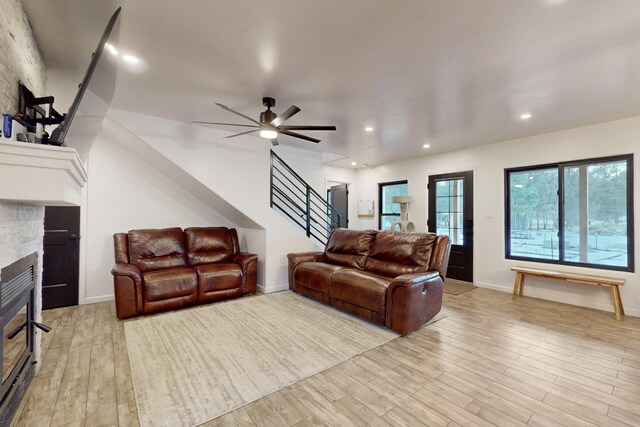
(157, 249)
(315, 275)
(170, 283)
(218, 277)
(360, 288)
(394, 253)
(349, 247)
(206, 245)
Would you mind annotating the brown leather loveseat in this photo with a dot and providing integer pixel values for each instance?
(390, 278)
(159, 269)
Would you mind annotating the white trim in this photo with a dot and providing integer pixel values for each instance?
(276, 288)
(603, 307)
(102, 298)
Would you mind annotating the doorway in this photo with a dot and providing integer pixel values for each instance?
(338, 202)
(61, 261)
(451, 214)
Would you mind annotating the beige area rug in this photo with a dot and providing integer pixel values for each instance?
(193, 365)
(457, 287)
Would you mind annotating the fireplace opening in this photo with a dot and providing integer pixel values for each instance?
(17, 322)
(15, 342)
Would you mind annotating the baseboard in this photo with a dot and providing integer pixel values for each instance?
(101, 298)
(603, 307)
(278, 288)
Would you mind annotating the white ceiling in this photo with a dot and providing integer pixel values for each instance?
(451, 74)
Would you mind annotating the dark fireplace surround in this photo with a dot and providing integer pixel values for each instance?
(17, 323)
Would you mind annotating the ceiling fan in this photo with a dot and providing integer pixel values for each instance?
(270, 124)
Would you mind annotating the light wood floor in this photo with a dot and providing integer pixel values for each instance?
(492, 361)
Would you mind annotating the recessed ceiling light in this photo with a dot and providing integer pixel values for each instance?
(353, 163)
(426, 146)
(518, 185)
(130, 58)
(368, 129)
(525, 116)
(111, 49)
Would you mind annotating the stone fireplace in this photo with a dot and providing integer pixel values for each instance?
(32, 176)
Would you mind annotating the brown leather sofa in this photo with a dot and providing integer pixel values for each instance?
(159, 269)
(390, 278)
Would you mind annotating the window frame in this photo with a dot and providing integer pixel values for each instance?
(560, 166)
(381, 185)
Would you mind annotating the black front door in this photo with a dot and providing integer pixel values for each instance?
(451, 213)
(61, 256)
(339, 206)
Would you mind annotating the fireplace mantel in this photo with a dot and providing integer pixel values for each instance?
(40, 174)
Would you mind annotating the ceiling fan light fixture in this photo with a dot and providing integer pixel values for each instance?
(268, 134)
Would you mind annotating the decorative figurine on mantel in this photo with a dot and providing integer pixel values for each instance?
(404, 224)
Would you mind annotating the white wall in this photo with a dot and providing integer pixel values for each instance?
(125, 193)
(237, 170)
(488, 162)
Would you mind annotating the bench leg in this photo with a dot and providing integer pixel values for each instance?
(516, 284)
(617, 301)
(522, 284)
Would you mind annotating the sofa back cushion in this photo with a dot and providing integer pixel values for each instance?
(394, 253)
(209, 245)
(440, 255)
(349, 248)
(157, 249)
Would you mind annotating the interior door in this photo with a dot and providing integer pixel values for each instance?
(61, 261)
(339, 204)
(451, 213)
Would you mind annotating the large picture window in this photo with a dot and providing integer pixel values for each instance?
(576, 213)
(389, 211)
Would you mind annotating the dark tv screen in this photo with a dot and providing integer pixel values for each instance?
(98, 85)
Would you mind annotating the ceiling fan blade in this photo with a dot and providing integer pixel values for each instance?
(242, 133)
(274, 142)
(226, 124)
(297, 135)
(239, 114)
(291, 111)
(305, 127)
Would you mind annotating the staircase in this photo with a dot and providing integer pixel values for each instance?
(294, 198)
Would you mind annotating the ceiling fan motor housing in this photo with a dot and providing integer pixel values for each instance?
(267, 117)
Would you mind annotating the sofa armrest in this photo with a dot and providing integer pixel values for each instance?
(127, 285)
(249, 265)
(413, 300)
(296, 259)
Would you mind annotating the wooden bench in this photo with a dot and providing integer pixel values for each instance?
(586, 279)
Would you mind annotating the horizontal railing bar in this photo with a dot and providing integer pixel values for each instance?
(324, 238)
(292, 192)
(287, 214)
(291, 205)
(302, 190)
(317, 229)
(289, 200)
(326, 205)
(288, 168)
(288, 206)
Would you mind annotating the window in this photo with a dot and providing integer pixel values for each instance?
(450, 209)
(389, 211)
(575, 213)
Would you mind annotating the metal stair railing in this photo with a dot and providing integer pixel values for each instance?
(292, 196)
